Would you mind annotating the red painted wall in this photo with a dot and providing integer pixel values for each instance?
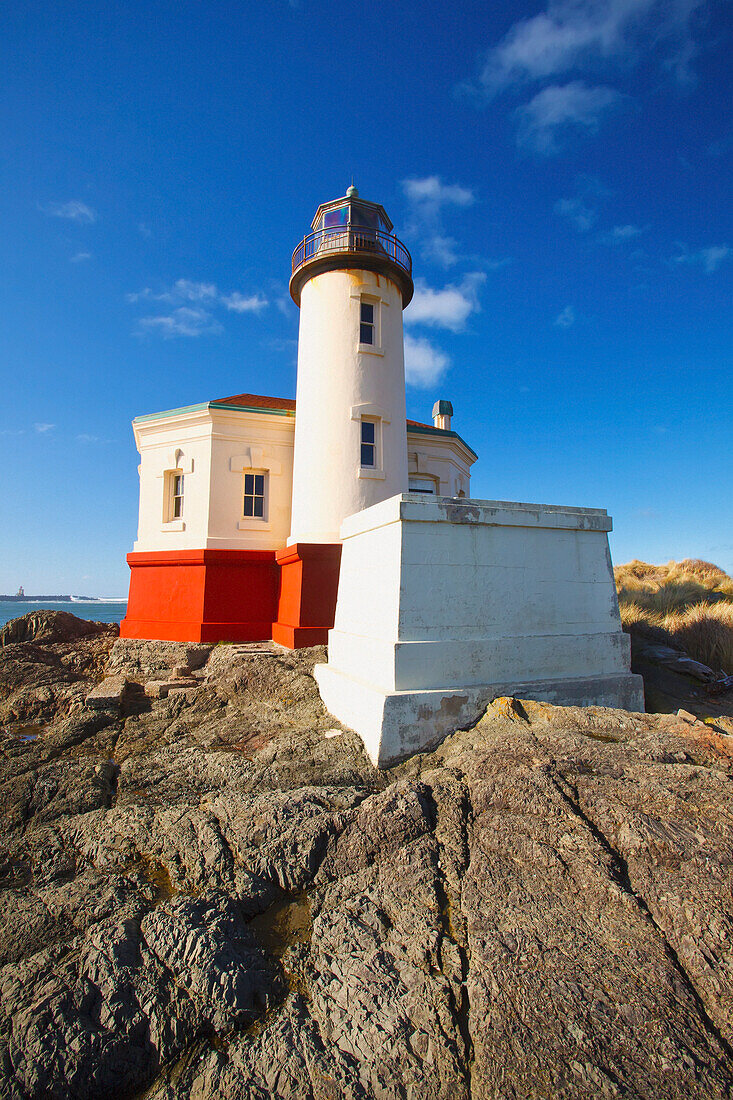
(202, 595)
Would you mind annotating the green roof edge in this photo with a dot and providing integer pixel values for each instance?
(422, 430)
(212, 405)
(442, 432)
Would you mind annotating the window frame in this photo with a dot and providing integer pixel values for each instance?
(434, 492)
(373, 423)
(173, 479)
(178, 494)
(376, 303)
(253, 517)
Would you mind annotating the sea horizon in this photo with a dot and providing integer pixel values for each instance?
(109, 610)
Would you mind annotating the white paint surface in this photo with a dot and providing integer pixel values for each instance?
(338, 377)
(445, 604)
(214, 448)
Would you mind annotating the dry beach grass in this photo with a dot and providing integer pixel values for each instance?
(687, 604)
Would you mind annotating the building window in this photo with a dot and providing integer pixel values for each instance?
(254, 495)
(368, 443)
(176, 496)
(367, 327)
(423, 485)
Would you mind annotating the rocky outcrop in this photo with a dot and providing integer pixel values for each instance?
(214, 894)
(52, 626)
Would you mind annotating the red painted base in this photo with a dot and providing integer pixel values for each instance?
(309, 577)
(202, 595)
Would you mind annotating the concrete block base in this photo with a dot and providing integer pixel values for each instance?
(445, 604)
(394, 725)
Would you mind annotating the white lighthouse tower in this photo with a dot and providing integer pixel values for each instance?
(352, 279)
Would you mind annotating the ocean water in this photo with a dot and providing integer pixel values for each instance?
(101, 611)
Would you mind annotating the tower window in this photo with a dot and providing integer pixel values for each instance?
(254, 495)
(367, 326)
(176, 496)
(368, 443)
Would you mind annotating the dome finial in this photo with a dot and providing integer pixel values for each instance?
(351, 192)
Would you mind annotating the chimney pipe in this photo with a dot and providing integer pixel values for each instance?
(442, 412)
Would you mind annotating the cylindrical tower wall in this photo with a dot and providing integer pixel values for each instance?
(342, 382)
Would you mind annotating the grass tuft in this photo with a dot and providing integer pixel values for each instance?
(687, 604)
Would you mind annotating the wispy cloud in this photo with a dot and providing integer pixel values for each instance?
(709, 258)
(449, 307)
(558, 112)
(584, 38)
(576, 35)
(192, 304)
(183, 290)
(425, 364)
(255, 303)
(42, 427)
(184, 321)
(565, 318)
(430, 191)
(72, 211)
(575, 210)
(429, 197)
(80, 257)
(625, 232)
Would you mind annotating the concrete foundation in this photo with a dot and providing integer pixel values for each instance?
(444, 605)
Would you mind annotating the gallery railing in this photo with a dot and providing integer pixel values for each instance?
(352, 239)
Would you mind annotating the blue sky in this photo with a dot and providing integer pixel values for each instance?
(560, 173)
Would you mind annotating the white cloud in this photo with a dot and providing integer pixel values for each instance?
(73, 211)
(441, 249)
(431, 191)
(193, 302)
(43, 428)
(559, 110)
(184, 321)
(84, 438)
(449, 307)
(429, 197)
(573, 35)
(582, 216)
(566, 318)
(80, 257)
(714, 256)
(625, 232)
(241, 304)
(709, 258)
(188, 291)
(424, 364)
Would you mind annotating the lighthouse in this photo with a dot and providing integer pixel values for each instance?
(242, 501)
(351, 279)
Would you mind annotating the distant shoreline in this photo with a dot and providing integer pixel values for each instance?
(62, 599)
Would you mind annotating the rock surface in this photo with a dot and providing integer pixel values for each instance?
(215, 894)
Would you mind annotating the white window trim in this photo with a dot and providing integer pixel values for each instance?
(168, 522)
(376, 415)
(255, 523)
(432, 478)
(379, 303)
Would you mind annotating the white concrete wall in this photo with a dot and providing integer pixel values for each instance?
(214, 448)
(339, 380)
(444, 604)
(178, 441)
(244, 443)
